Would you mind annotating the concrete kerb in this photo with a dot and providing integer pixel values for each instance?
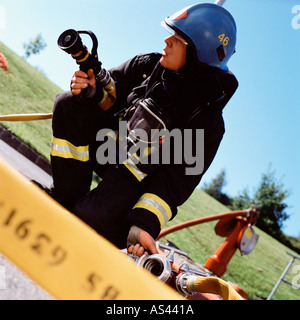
(12, 140)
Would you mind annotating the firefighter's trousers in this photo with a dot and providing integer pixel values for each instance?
(73, 158)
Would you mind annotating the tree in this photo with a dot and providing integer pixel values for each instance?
(242, 201)
(214, 188)
(34, 46)
(270, 197)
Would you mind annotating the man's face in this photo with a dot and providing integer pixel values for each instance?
(174, 53)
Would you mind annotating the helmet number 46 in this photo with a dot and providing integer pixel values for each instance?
(223, 39)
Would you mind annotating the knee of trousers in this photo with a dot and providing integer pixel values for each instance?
(62, 101)
(70, 113)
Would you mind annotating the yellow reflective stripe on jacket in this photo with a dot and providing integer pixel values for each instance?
(65, 149)
(157, 206)
(130, 165)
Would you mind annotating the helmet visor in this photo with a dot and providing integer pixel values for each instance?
(173, 33)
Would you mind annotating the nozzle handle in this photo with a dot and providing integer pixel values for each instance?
(94, 39)
(172, 250)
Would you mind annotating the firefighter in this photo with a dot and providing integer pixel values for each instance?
(185, 87)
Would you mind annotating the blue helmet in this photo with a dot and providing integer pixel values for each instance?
(209, 29)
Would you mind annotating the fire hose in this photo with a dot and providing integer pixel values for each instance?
(25, 117)
(185, 280)
(197, 221)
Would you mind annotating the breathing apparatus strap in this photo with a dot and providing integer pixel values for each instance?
(146, 125)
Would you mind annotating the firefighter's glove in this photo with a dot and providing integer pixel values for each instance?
(140, 242)
(133, 236)
(133, 242)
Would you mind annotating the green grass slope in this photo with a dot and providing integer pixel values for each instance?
(26, 90)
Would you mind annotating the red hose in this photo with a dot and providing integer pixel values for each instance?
(194, 222)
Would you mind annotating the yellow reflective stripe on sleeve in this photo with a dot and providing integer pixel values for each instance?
(105, 95)
(61, 253)
(130, 165)
(156, 205)
(109, 96)
(154, 210)
(65, 149)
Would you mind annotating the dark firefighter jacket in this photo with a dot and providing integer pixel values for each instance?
(198, 97)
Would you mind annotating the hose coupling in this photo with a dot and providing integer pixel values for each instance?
(185, 283)
(186, 278)
(158, 265)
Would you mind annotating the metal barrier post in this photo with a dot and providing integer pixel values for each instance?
(283, 275)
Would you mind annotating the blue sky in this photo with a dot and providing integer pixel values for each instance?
(262, 119)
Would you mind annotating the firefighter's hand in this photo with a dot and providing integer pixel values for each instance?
(82, 80)
(145, 245)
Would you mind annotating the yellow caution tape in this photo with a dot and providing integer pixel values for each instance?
(62, 254)
(25, 117)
